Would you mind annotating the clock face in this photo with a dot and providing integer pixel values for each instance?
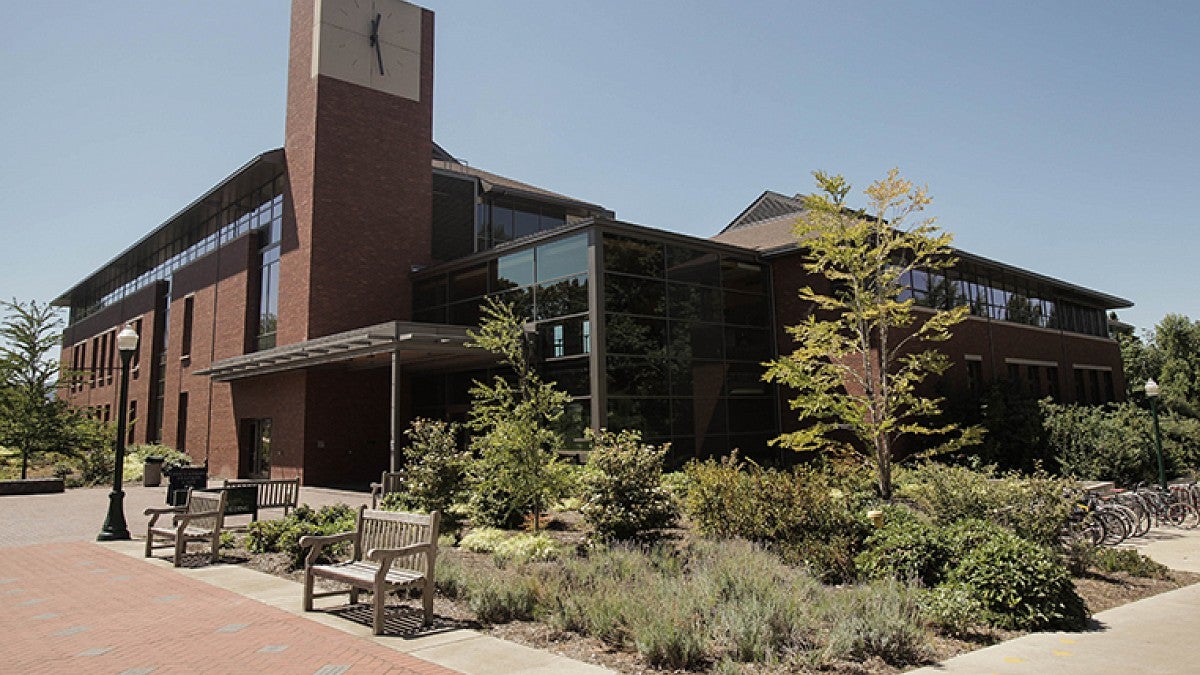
(372, 43)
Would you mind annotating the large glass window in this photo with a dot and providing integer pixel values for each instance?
(514, 270)
(562, 257)
(232, 220)
(686, 332)
(268, 299)
(1003, 298)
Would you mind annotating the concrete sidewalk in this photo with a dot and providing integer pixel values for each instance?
(1158, 635)
(70, 604)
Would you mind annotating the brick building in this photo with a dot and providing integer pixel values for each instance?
(295, 316)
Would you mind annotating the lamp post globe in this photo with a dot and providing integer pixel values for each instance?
(1152, 393)
(114, 523)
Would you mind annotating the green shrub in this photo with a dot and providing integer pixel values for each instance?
(905, 549)
(671, 632)
(483, 539)
(501, 598)
(450, 577)
(526, 547)
(135, 460)
(802, 512)
(492, 501)
(1032, 506)
(96, 465)
(434, 472)
(1108, 443)
(1020, 585)
(622, 489)
(881, 619)
(964, 536)
(283, 535)
(952, 608)
(1129, 561)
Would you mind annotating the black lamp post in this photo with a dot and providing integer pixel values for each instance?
(114, 525)
(1152, 392)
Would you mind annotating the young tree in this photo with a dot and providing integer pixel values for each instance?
(859, 359)
(31, 420)
(515, 423)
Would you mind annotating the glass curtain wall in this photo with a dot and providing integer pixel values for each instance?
(1003, 298)
(548, 284)
(685, 332)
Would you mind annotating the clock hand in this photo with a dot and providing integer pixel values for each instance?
(375, 40)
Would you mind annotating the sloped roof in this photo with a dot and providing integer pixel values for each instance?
(496, 183)
(768, 206)
(764, 235)
(766, 226)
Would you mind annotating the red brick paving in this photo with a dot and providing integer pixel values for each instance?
(78, 607)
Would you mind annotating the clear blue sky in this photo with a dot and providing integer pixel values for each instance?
(1060, 137)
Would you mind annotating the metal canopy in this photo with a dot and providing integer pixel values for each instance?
(415, 343)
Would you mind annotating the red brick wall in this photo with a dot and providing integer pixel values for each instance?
(994, 341)
(220, 286)
(347, 430)
(361, 195)
(280, 397)
(137, 306)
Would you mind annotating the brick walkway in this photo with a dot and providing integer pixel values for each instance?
(78, 607)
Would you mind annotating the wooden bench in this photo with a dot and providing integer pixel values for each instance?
(199, 519)
(273, 493)
(391, 551)
(389, 482)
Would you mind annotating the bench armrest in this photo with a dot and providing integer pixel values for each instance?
(157, 513)
(385, 556)
(181, 520)
(318, 542)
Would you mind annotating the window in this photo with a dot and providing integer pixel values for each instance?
(1035, 380)
(975, 376)
(95, 363)
(181, 423)
(137, 352)
(1052, 382)
(1014, 377)
(189, 306)
(132, 422)
(268, 298)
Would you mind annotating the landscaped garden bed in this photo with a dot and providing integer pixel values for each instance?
(822, 590)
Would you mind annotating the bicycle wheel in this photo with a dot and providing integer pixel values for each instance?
(1115, 530)
(1183, 515)
(1129, 517)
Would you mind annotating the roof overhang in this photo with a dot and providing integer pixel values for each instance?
(416, 344)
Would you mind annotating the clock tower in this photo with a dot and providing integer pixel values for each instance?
(358, 145)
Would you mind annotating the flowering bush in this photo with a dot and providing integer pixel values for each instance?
(622, 490)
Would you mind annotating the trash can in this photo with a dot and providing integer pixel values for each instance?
(152, 472)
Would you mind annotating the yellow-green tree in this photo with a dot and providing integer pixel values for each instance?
(515, 425)
(862, 355)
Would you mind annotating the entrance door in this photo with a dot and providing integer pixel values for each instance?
(256, 448)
